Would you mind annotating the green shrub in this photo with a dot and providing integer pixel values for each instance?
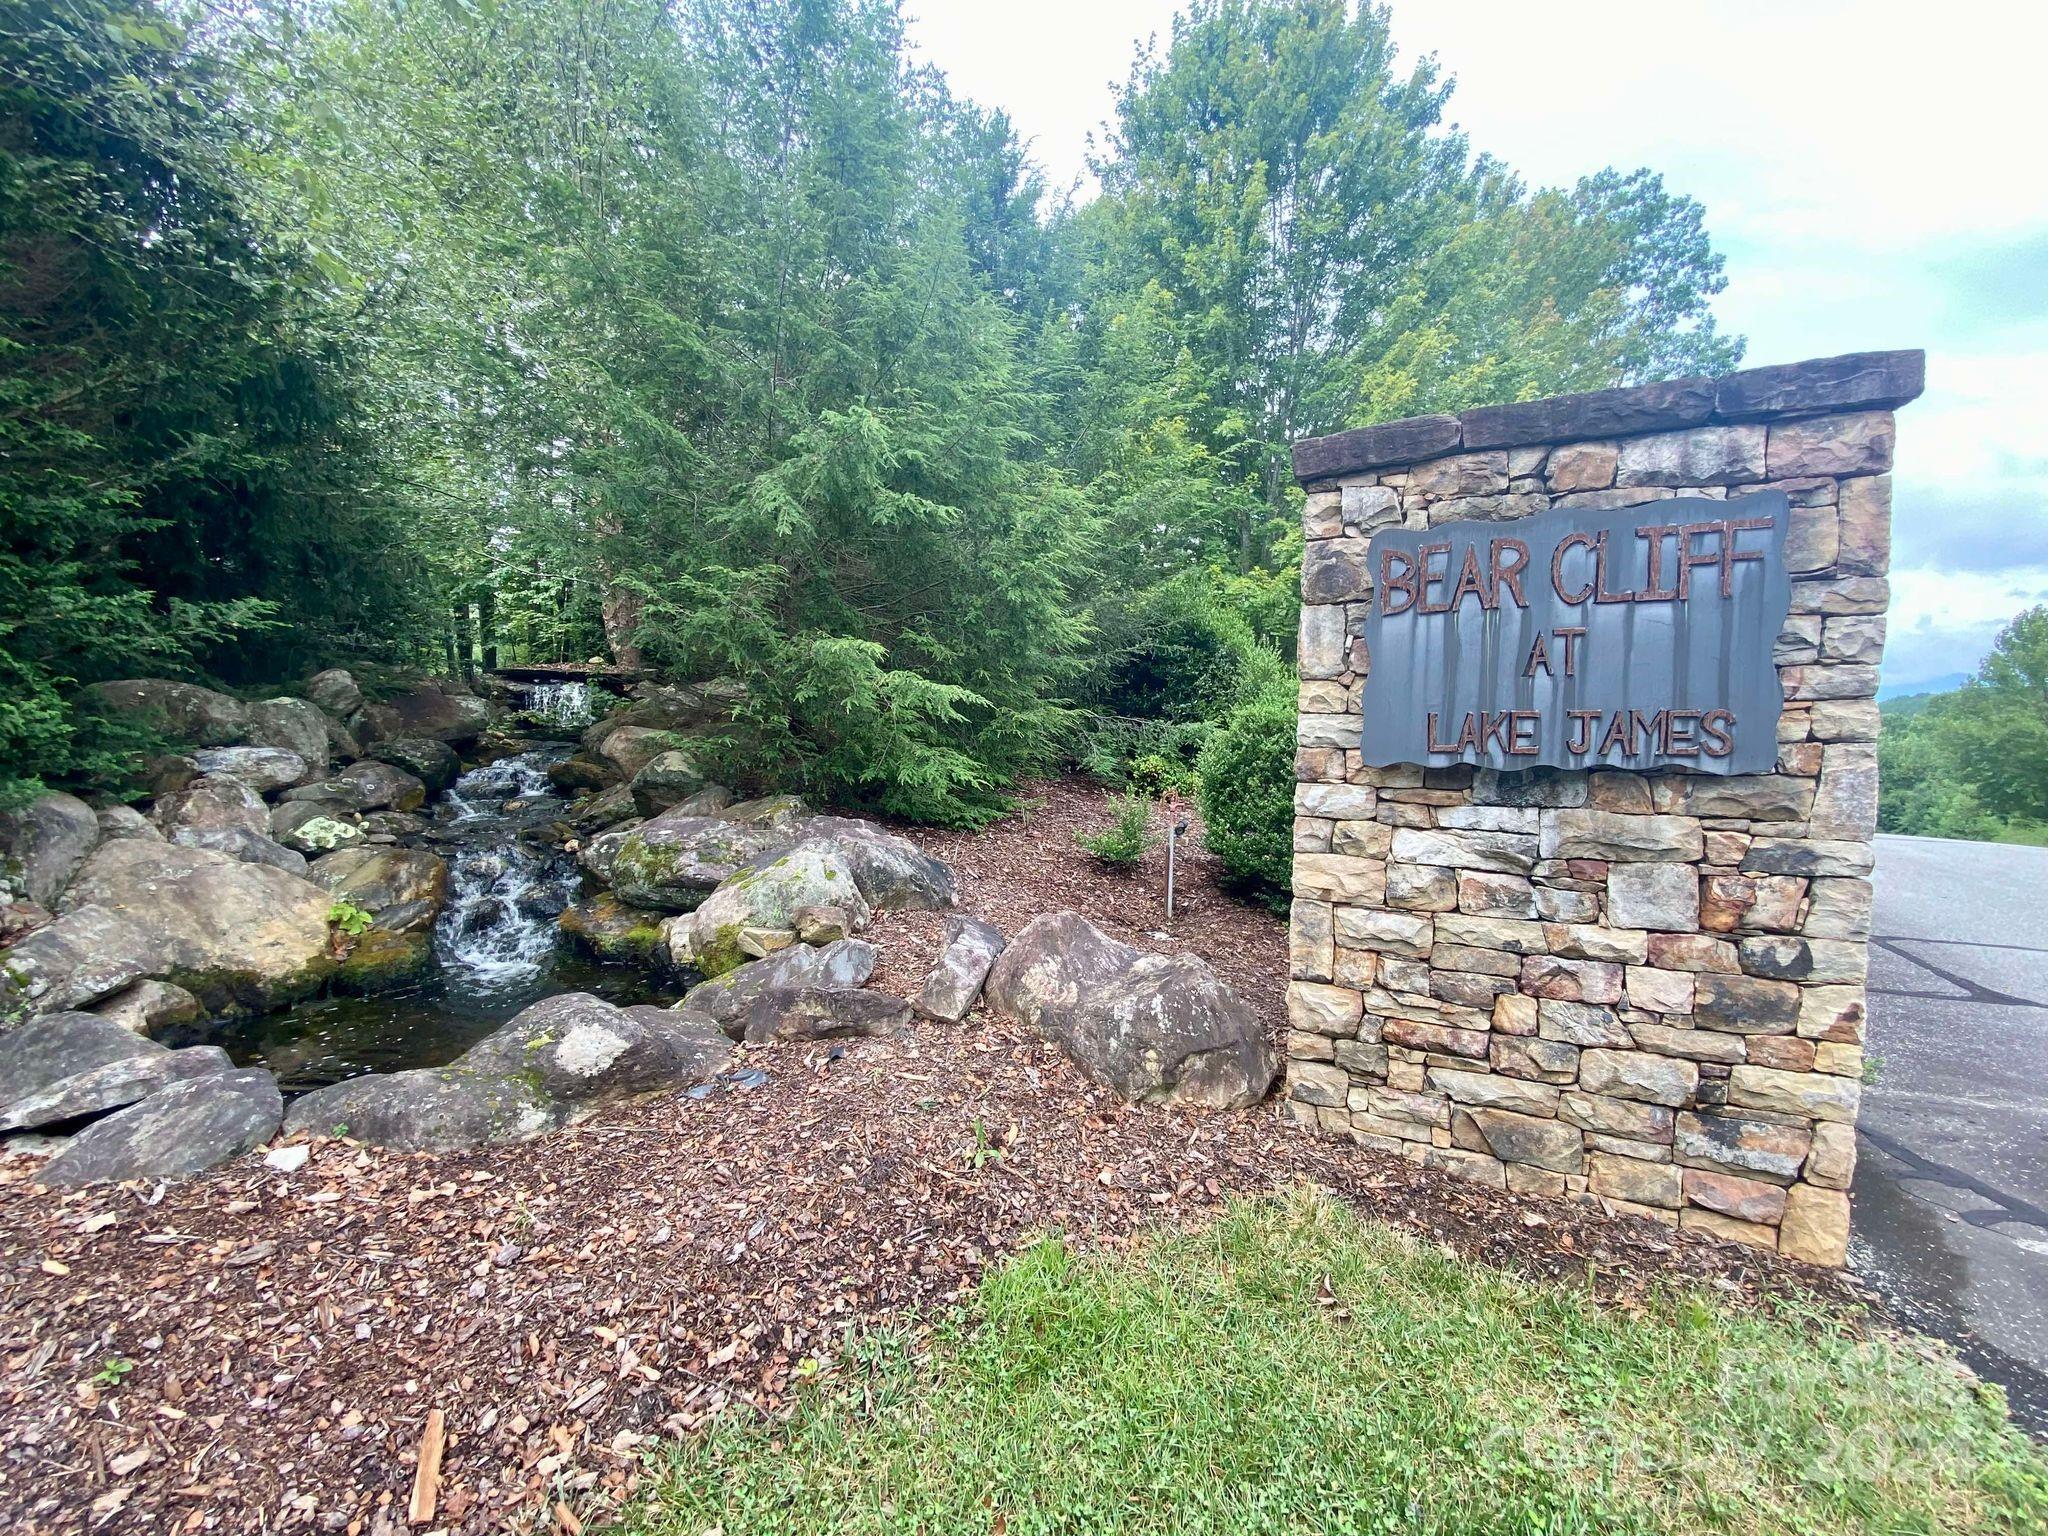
(1127, 837)
(1244, 783)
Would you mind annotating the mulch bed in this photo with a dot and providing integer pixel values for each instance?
(563, 1300)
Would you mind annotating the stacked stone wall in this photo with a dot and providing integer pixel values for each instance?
(1640, 989)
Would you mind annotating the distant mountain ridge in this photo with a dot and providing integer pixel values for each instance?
(1947, 683)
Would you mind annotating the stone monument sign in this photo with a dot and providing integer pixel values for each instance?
(1587, 778)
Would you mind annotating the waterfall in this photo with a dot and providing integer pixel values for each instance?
(564, 704)
(504, 892)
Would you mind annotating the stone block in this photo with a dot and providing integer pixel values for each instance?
(1593, 834)
(1312, 834)
(1510, 853)
(1692, 952)
(1832, 1013)
(1311, 1082)
(1365, 508)
(1813, 539)
(1634, 1181)
(1490, 1090)
(1745, 1005)
(1859, 443)
(1788, 957)
(1514, 1014)
(1537, 1141)
(1542, 1061)
(1357, 969)
(1554, 905)
(1361, 839)
(1639, 1075)
(1461, 474)
(1576, 981)
(1484, 894)
(1322, 515)
(1752, 796)
(1788, 1053)
(1832, 1162)
(1844, 720)
(1394, 442)
(1338, 802)
(1335, 570)
(1838, 1059)
(1692, 1044)
(1462, 817)
(1809, 1095)
(1340, 878)
(1582, 1024)
(1853, 381)
(1816, 1226)
(1301, 1047)
(1866, 514)
(1845, 804)
(1658, 991)
(1443, 1039)
(1622, 1118)
(1594, 414)
(1337, 731)
(1654, 895)
(1855, 637)
(1317, 1008)
(1472, 1166)
(1700, 457)
(1582, 467)
(1361, 1058)
(1526, 1180)
(1310, 951)
(1727, 1228)
(1429, 1109)
(1421, 888)
(1588, 941)
(1510, 935)
(1750, 1200)
(1393, 933)
(1539, 787)
(1737, 1144)
(1842, 594)
(1807, 856)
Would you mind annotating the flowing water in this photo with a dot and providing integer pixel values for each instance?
(495, 946)
(565, 706)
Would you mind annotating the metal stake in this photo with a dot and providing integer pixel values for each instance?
(1172, 851)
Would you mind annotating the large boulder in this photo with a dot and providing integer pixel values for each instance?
(240, 843)
(336, 692)
(1158, 1029)
(41, 846)
(963, 965)
(819, 1013)
(181, 1129)
(87, 953)
(238, 936)
(670, 707)
(293, 725)
(107, 1086)
(183, 712)
(893, 873)
(264, 769)
(384, 786)
(432, 762)
(125, 821)
(551, 1064)
(725, 1000)
(667, 780)
(760, 903)
(432, 710)
(211, 803)
(671, 863)
(403, 891)
(607, 808)
(631, 748)
(62, 1045)
(611, 930)
(314, 827)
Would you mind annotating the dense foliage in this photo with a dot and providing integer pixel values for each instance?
(716, 336)
(1974, 763)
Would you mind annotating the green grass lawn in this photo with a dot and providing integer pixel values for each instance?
(1292, 1368)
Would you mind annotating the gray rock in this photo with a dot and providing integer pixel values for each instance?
(184, 712)
(56, 1046)
(432, 762)
(107, 1086)
(1659, 896)
(211, 803)
(664, 781)
(607, 808)
(630, 748)
(151, 1006)
(672, 862)
(296, 725)
(765, 895)
(431, 710)
(240, 843)
(428, 1109)
(402, 825)
(87, 953)
(237, 935)
(41, 846)
(314, 826)
(708, 801)
(336, 692)
(893, 873)
(819, 1013)
(848, 963)
(181, 1129)
(125, 821)
(384, 786)
(1155, 1028)
(403, 890)
(263, 769)
(552, 1063)
(955, 981)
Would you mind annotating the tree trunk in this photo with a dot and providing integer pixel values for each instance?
(487, 626)
(461, 642)
(621, 609)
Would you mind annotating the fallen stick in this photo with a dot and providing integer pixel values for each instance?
(426, 1481)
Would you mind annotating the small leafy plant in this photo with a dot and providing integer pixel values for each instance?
(111, 1373)
(346, 917)
(1127, 837)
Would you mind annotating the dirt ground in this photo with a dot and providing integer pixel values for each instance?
(253, 1350)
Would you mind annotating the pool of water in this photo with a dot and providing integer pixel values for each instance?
(495, 946)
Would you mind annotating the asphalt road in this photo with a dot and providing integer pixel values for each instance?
(1951, 1214)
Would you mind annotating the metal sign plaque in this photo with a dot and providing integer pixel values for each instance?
(1639, 638)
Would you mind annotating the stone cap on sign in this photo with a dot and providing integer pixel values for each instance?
(1856, 381)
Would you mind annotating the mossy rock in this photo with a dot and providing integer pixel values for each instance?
(611, 930)
(380, 960)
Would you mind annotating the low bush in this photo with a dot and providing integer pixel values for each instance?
(1244, 783)
(1128, 835)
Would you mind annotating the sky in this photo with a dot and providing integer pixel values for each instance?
(1876, 174)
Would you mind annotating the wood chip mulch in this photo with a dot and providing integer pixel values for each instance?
(256, 1350)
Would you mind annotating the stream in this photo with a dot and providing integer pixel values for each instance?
(495, 946)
